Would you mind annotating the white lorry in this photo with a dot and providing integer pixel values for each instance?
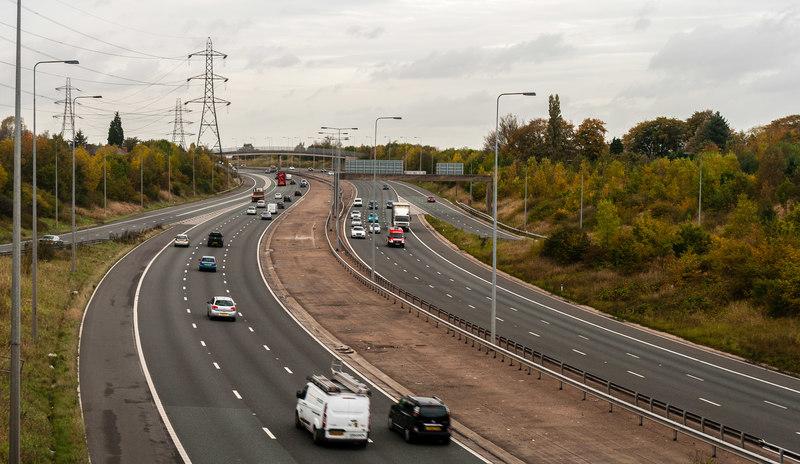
(401, 215)
(334, 409)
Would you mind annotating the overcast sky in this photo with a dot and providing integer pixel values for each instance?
(296, 65)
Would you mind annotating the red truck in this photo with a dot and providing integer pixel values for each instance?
(396, 238)
(281, 179)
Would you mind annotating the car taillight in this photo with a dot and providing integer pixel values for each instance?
(233, 308)
(213, 306)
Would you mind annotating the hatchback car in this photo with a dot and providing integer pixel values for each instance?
(420, 416)
(431, 200)
(373, 204)
(278, 195)
(357, 202)
(375, 228)
(221, 306)
(356, 221)
(251, 210)
(266, 215)
(357, 232)
(355, 214)
(208, 263)
(389, 204)
(297, 193)
(287, 198)
(181, 240)
(215, 239)
(386, 186)
(281, 205)
(261, 204)
(292, 182)
(373, 217)
(53, 240)
(303, 183)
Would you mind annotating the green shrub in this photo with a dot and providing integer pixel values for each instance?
(566, 245)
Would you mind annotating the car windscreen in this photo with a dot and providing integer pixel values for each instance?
(396, 235)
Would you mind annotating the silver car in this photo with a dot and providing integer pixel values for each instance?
(221, 306)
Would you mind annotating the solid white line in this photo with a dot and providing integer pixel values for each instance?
(266, 430)
(579, 352)
(216, 365)
(637, 375)
(633, 355)
(709, 402)
(238, 396)
(776, 404)
(288, 370)
(693, 377)
(534, 334)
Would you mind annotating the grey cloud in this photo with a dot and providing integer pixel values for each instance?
(643, 18)
(361, 32)
(483, 61)
(272, 57)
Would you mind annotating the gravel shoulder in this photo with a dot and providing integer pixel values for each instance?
(501, 412)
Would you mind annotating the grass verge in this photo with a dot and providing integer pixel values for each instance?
(652, 298)
(52, 429)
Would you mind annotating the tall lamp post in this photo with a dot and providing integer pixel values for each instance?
(337, 172)
(493, 330)
(74, 245)
(35, 241)
(374, 188)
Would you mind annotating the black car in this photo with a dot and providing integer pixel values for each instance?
(386, 186)
(420, 416)
(215, 239)
(373, 204)
(297, 193)
(292, 182)
(281, 205)
(287, 198)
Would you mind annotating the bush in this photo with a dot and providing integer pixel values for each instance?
(566, 245)
(691, 239)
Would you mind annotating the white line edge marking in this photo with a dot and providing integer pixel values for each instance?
(709, 402)
(269, 434)
(615, 332)
(473, 307)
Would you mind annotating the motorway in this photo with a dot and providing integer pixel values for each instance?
(758, 401)
(226, 390)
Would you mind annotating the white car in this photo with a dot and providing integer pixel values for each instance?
(355, 214)
(261, 204)
(375, 228)
(221, 306)
(251, 210)
(358, 232)
(357, 202)
(54, 240)
(291, 168)
(181, 240)
(278, 195)
(356, 222)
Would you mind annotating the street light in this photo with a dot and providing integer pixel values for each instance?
(337, 172)
(35, 255)
(374, 188)
(493, 330)
(74, 247)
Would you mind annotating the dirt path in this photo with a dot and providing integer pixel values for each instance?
(505, 414)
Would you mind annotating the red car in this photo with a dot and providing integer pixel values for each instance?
(431, 200)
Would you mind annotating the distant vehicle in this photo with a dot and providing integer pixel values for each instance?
(266, 215)
(221, 306)
(208, 263)
(181, 240)
(261, 204)
(251, 210)
(357, 202)
(272, 208)
(373, 204)
(258, 194)
(272, 168)
(215, 239)
(420, 416)
(375, 228)
(334, 409)
(356, 222)
(281, 179)
(355, 214)
(278, 195)
(288, 176)
(330, 173)
(287, 198)
(386, 186)
(53, 240)
(389, 204)
(396, 238)
(281, 205)
(310, 169)
(373, 217)
(401, 215)
(303, 183)
(357, 232)
(297, 193)
(291, 168)
(431, 199)
(292, 182)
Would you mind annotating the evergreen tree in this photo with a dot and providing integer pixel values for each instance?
(80, 139)
(716, 130)
(616, 146)
(555, 126)
(116, 135)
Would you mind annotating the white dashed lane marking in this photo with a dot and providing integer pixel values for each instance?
(269, 434)
(288, 370)
(693, 377)
(581, 353)
(709, 402)
(775, 404)
(236, 393)
(534, 334)
(637, 375)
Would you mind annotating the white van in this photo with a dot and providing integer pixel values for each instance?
(335, 409)
(272, 208)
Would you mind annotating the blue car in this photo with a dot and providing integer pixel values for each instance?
(208, 263)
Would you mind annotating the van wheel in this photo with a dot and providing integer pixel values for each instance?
(408, 436)
(319, 435)
(297, 422)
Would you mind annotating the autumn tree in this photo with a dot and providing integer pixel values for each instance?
(590, 138)
(529, 141)
(508, 124)
(658, 138)
(116, 135)
(608, 221)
